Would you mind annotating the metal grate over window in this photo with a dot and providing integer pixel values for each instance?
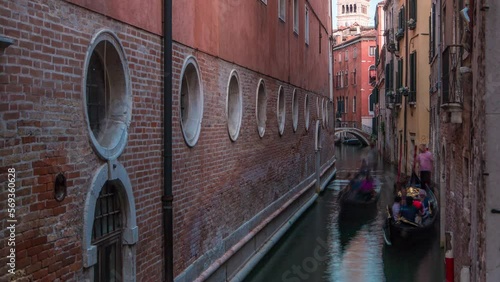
(106, 235)
(107, 217)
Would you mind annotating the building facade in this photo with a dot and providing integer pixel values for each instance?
(464, 110)
(354, 77)
(406, 79)
(83, 131)
(382, 112)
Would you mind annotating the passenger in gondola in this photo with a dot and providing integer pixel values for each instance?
(425, 202)
(367, 188)
(420, 210)
(396, 207)
(409, 211)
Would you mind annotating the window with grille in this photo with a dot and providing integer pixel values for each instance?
(107, 235)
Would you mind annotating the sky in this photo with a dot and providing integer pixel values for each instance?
(371, 12)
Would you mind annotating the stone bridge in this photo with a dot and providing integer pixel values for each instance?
(362, 136)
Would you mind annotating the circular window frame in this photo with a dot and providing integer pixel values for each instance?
(192, 140)
(261, 108)
(307, 112)
(281, 113)
(116, 129)
(239, 107)
(295, 110)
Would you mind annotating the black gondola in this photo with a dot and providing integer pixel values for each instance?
(353, 203)
(406, 231)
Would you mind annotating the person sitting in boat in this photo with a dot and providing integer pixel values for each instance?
(409, 211)
(422, 194)
(396, 207)
(420, 210)
(367, 188)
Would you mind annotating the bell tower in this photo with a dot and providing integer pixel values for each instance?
(353, 11)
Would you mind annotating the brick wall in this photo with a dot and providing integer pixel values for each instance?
(44, 132)
(218, 184)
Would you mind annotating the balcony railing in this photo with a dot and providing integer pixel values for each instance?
(348, 124)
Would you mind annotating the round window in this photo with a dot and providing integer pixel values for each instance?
(261, 109)
(234, 106)
(191, 101)
(107, 95)
(295, 110)
(281, 110)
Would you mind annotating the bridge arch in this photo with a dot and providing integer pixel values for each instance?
(362, 136)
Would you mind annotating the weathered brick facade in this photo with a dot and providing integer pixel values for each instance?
(222, 189)
(460, 147)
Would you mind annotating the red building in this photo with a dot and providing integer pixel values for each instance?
(103, 163)
(354, 76)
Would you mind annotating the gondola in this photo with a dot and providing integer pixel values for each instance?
(406, 231)
(353, 204)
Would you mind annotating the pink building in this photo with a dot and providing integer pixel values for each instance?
(354, 76)
(124, 173)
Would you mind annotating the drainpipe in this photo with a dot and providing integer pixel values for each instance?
(167, 143)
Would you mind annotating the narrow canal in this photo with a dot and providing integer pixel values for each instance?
(322, 247)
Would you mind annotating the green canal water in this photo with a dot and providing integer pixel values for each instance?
(321, 246)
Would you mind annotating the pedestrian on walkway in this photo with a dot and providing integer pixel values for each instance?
(425, 162)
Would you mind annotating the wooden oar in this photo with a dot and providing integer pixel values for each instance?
(404, 220)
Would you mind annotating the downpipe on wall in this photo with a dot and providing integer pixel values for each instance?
(167, 197)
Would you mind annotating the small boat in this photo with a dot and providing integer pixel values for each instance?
(352, 202)
(352, 141)
(406, 231)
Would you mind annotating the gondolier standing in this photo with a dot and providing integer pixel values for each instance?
(425, 162)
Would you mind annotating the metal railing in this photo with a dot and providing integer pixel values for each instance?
(347, 124)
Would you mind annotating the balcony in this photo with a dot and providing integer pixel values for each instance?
(400, 34)
(452, 99)
(412, 24)
(392, 47)
(389, 100)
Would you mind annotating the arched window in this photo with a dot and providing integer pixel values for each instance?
(110, 229)
(355, 8)
(372, 74)
(343, 9)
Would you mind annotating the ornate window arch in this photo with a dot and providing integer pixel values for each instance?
(105, 183)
